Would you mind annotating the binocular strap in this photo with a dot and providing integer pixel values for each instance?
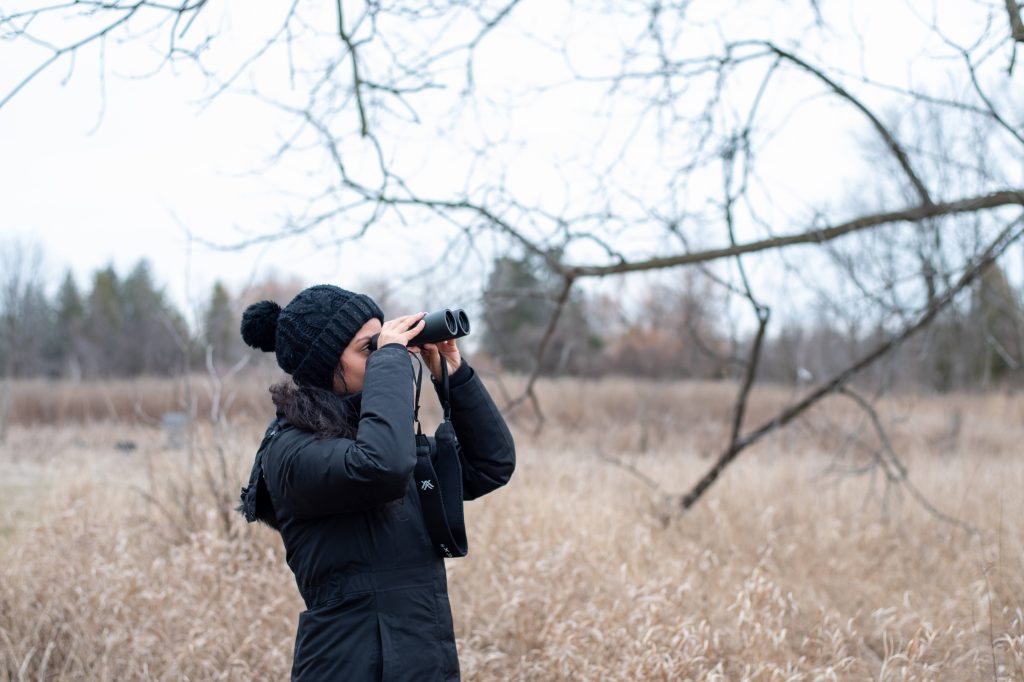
(440, 490)
(438, 476)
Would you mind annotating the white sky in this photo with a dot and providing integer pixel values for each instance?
(97, 182)
(133, 186)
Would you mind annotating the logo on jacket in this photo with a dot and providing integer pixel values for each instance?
(426, 484)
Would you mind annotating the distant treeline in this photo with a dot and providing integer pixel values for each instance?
(680, 329)
(117, 324)
(124, 325)
(119, 327)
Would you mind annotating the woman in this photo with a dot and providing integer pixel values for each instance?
(334, 476)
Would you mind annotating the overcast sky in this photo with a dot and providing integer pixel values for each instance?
(97, 186)
(114, 170)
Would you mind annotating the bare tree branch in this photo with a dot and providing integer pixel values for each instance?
(890, 140)
(816, 236)
(357, 82)
(993, 112)
(69, 49)
(761, 312)
(1006, 237)
(901, 476)
(644, 478)
(528, 392)
(129, 10)
(1016, 24)
(1009, 197)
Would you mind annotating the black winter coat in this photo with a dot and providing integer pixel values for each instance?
(349, 514)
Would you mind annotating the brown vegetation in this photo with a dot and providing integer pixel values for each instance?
(140, 400)
(118, 565)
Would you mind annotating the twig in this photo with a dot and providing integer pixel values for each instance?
(528, 392)
(901, 477)
(814, 236)
(631, 468)
(1016, 24)
(890, 140)
(1010, 234)
(357, 83)
(761, 311)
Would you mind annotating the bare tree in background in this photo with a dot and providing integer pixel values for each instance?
(24, 310)
(24, 316)
(685, 110)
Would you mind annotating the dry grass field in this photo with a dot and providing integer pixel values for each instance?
(129, 565)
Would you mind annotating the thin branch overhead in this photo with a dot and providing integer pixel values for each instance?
(1016, 23)
(497, 123)
(1008, 236)
(18, 25)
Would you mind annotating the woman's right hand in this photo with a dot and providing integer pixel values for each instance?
(399, 331)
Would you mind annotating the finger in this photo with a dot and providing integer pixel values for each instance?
(404, 319)
(410, 320)
(417, 328)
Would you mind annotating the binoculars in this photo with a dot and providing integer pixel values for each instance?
(441, 325)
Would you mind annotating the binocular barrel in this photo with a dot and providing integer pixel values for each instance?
(441, 325)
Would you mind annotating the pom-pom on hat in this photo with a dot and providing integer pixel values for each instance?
(259, 325)
(309, 334)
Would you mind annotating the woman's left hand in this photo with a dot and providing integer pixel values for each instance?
(432, 353)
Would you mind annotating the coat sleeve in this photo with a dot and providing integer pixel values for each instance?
(318, 477)
(488, 453)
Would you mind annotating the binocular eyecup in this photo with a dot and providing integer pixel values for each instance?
(441, 325)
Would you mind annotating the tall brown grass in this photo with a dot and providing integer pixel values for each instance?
(118, 566)
(141, 400)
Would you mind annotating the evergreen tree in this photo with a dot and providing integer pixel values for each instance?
(996, 319)
(70, 320)
(102, 327)
(220, 327)
(156, 338)
(520, 296)
(130, 328)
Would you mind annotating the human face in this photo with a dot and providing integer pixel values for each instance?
(353, 359)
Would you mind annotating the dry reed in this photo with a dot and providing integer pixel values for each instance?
(118, 566)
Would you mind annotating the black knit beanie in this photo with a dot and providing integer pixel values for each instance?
(309, 334)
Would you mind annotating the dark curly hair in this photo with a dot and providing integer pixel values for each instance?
(314, 409)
